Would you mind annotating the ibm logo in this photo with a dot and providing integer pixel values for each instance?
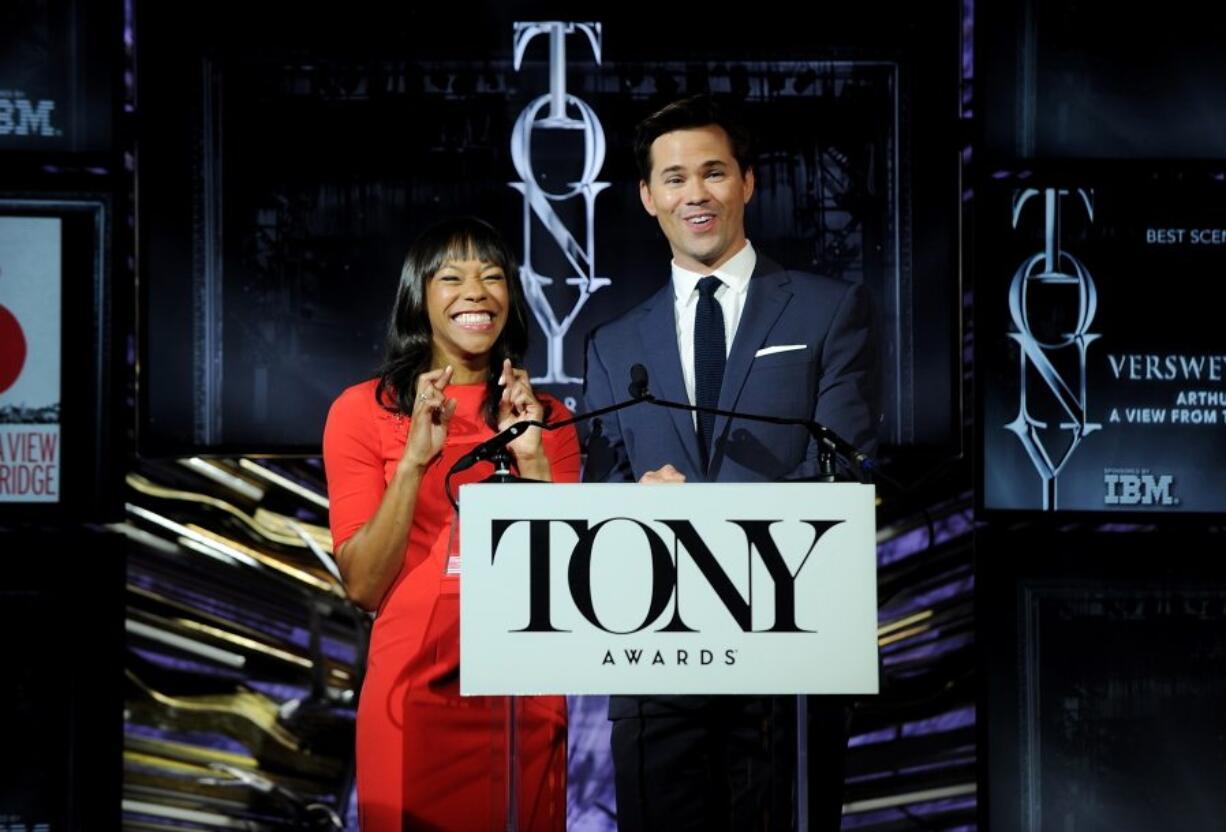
(22, 117)
(1138, 490)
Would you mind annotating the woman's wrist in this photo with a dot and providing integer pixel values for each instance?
(411, 468)
(533, 466)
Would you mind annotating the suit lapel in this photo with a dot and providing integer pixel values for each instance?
(658, 329)
(768, 295)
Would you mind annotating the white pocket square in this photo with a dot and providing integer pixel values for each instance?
(780, 348)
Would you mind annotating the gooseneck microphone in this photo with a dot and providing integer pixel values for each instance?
(492, 446)
(826, 438)
(830, 443)
(496, 444)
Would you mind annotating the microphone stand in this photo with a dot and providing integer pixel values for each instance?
(502, 469)
(501, 460)
(829, 447)
(496, 453)
(494, 448)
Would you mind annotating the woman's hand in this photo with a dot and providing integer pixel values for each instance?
(371, 559)
(519, 403)
(431, 416)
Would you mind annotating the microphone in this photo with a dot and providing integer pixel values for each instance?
(496, 443)
(490, 447)
(638, 390)
(823, 435)
(842, 447)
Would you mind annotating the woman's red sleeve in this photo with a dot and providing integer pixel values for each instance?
(562, 446)
(353, 463)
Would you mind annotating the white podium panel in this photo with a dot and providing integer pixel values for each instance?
(668, 589)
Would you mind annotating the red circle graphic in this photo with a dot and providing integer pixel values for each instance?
(12, 349)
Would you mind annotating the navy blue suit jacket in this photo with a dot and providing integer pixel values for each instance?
(833, 379)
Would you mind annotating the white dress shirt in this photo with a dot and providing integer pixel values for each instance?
(731, 296)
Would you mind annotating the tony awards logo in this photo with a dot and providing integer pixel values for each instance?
(1052, 301)
(558, 211)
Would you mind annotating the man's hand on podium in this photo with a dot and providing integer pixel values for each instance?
(661, 476)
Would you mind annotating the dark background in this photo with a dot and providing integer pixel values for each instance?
(243, 296)
(291, 160)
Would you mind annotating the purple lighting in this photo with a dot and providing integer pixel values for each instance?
(909, 543)
(926, 600)
(929, 652)
(949, 721)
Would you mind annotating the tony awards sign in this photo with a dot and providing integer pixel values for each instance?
(697, 588)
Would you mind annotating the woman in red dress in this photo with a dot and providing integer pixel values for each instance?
(426, 758)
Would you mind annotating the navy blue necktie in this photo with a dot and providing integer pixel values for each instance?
(709, 359)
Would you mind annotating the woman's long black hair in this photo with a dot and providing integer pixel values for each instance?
(409, 350)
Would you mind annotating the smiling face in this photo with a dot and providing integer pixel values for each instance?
(467, 302)
(698, 194)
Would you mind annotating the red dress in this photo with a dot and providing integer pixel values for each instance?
(426, 758)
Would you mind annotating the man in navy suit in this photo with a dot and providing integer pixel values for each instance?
(735, 331)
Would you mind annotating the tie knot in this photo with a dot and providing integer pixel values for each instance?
(708, 285)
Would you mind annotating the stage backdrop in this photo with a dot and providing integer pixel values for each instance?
(279, 191)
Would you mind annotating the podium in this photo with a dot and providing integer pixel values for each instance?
(716, 588)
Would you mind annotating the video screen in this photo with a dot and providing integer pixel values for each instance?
(1099, 347)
